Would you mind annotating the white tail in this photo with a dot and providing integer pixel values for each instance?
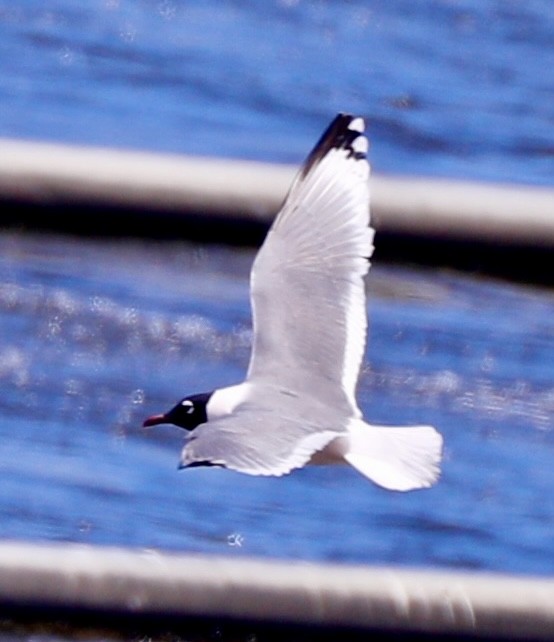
(396, 458)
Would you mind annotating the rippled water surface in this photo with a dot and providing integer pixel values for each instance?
(94, 336)
(450, 87)
(97, 335)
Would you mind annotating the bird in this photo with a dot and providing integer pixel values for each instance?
(297, 404)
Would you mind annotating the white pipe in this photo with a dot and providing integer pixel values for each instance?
(46, 173)
(151, 583)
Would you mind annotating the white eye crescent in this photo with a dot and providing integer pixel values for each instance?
(188, 406)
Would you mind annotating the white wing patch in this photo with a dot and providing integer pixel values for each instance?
(357, 125)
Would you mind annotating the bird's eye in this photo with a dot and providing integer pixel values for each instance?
(188, 406)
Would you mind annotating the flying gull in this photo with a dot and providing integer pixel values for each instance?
(297, 404)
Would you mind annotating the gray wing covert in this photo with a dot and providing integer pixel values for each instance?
(255, 441)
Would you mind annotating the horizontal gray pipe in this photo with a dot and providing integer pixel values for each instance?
(148, 582)
(42, 173)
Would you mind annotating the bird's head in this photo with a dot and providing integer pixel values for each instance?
(188, 413)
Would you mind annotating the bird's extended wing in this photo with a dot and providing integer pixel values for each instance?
(257, 441)
(307, 288)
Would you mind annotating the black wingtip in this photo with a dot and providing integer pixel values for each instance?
(339, 135)
(197, 464)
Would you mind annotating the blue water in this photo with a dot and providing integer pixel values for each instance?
(458, 88)
(98, 335)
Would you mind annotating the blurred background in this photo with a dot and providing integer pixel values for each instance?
(459, 88)
(97, 334)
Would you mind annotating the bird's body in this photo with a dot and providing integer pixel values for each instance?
(297, 404)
